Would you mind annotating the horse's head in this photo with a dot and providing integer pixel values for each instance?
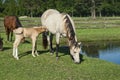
(75, 52)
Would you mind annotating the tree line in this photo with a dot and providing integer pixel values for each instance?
(78, 8)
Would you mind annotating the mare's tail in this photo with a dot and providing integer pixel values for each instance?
(45, 42)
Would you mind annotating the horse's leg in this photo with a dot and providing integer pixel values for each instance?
(33, 46)
(15, 50)
(51, 47)
(11, 35)
(57, 44)
(49, 39)
(7, 32)
(36, 48)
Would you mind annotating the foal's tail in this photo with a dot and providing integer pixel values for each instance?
(45, 42)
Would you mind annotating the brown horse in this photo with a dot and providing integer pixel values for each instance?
(21, 33)
(11, 23)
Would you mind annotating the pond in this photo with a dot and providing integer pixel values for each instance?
(105, 50)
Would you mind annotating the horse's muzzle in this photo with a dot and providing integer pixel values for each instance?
(77, 62)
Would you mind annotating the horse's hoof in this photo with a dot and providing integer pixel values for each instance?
(16, 58)
(36, 53)
(51, 53)
(33, 55)
(57, 58)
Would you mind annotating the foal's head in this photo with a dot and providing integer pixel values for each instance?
(75, 52)
(43, 29)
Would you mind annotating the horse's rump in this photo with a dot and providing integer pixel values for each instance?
(46, 14)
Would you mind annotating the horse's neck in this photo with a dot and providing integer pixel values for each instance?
(72, 41)
(39, 30)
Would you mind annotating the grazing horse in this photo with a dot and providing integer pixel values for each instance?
(11, 23)
(21, 33)
(60, 24)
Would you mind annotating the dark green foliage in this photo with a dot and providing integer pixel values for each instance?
(35, 8)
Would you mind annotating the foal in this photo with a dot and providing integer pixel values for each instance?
(21, 33)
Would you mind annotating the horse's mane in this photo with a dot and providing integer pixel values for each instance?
(69, 25)
(18, 24)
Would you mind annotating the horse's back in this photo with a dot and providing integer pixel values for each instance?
(46, 14)
(49, 12)
(12, 22)
(52, 19)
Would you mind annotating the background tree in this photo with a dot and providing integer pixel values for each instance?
(77, 8)
(10, 7)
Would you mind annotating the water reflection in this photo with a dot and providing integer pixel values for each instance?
(105, 50)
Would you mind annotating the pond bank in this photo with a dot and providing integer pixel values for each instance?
(104, 50)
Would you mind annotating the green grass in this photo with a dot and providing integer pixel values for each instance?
(45, 66)
(80, 22)
(98, 34)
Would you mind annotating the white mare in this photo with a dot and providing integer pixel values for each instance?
(60, 24)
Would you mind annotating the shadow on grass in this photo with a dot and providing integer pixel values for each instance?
(64, 50)
(6, 48)
(30, 53)
(26, 41)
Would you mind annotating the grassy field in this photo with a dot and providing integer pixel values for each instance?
(80, 22)
(98, 34)
(45, 66)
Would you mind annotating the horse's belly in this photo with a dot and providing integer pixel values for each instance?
(53, 31)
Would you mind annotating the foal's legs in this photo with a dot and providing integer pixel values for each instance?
(34, 47)
(15, 45)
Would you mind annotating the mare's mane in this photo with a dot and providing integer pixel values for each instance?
(69, 25)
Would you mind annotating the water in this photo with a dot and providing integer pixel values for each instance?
(105, 50)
